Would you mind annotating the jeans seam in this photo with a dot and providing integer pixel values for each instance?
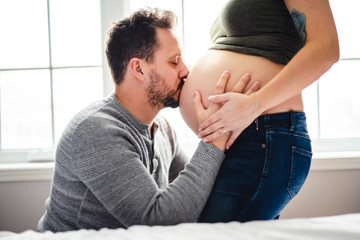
(306, 154)
(263, 176)
(266, 161)
(253, 197)
(289, 185)
(295, 134)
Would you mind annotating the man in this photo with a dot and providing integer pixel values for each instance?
(117, 163)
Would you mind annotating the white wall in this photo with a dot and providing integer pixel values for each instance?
(22, 204)
(325, 193)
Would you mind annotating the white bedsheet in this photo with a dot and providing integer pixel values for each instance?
(343, 227)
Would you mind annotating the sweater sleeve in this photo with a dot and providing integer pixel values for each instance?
(107, 161)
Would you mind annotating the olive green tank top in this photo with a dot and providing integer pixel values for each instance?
(259, 27)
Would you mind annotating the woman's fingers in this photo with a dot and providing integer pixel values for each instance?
(211, 128)
(215, 134)
(221, 98)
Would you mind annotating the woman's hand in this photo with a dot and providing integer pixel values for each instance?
(202, 114)
(237, 112)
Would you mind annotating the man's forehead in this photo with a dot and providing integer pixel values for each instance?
(168, 42)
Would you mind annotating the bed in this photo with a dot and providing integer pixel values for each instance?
(342, 227)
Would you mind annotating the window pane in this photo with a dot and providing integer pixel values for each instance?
(347, 18)
(24, 41)
(75, 32)
(25, 109)
(311, 110)
(198, 20)
(186, 138)
(74, 89)
(340, 101)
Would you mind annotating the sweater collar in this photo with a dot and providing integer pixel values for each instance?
(141, 127)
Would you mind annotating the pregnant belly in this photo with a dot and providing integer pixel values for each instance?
(206, 71)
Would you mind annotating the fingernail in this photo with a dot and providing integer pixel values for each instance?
(205, 140)
(226, 73)
(200, 129)
(247, 75)
(227, 147)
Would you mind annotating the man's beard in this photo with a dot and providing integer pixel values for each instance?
(160, 95)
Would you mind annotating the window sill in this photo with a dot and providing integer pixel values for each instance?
(20, 172)
(335, 161)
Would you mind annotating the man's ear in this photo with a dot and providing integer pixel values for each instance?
(136, 66)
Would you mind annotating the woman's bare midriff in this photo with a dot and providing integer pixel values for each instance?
(207, 70)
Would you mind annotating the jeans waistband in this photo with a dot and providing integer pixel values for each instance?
(290, 120)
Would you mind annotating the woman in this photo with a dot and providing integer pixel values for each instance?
(286, 46)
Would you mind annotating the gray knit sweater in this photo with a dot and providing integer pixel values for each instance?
(109, 172)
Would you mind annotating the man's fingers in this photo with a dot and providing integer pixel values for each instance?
(254, 88)
(221, 83)
(241, 84)
(198, 105)
(232, 138)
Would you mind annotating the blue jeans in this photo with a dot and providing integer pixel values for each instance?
(262, 171)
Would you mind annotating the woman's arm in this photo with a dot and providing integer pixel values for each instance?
(320, 52)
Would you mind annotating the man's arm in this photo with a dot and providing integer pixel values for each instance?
(112, 169)
(108, 159)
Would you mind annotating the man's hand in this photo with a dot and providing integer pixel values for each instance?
(220, 136)
(237, 111)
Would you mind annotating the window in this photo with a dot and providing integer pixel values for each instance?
(50, 68)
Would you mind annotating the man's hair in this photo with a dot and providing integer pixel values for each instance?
(135, 36)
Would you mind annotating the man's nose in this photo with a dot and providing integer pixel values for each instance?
(184, 72)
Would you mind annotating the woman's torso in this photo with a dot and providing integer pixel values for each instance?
(207, 70)
(258, 37)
